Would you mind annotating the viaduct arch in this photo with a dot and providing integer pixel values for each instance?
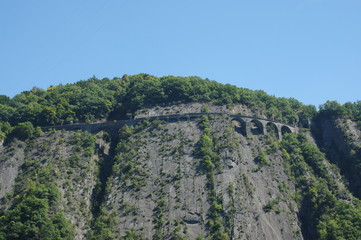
(272, 129)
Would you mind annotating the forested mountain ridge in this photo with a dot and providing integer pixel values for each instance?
(96, 99)
(159, 179)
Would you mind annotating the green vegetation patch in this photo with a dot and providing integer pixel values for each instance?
(324, 214)
(34, 213)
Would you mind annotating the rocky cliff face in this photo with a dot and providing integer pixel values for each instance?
(160, 167)
(172, 180)
(70, 157)
(341, 139)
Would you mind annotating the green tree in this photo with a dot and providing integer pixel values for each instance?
(23, 131)
(4, 99)
(333, 108)
(33, 216)
(6, 113)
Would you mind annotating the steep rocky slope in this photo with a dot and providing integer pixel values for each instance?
(341, 139)
(159, 165)
(72, 163)
(200, 179)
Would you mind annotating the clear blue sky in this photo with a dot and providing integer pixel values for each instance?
(306, 49)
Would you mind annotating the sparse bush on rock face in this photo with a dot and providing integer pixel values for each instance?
(262, 159)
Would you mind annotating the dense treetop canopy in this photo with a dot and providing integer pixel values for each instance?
(112, 99)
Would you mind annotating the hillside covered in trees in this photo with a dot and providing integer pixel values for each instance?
(94, 99)
(200, 179)
(99, 100)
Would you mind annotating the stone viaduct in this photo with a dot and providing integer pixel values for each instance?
(245, 125)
